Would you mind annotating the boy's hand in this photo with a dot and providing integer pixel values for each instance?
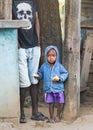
(55, 79)
(36, 75)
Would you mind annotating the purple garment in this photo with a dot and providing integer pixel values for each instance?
(54, 97)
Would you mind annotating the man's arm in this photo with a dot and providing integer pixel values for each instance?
(37, 26)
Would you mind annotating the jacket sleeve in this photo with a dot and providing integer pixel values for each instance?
(63, 74)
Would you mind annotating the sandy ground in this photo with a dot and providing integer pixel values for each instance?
(84, 122)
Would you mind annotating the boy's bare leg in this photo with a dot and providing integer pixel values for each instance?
(51, 112)
(59, 111)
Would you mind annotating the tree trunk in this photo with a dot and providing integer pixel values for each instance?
(72, 59)
(50, 24)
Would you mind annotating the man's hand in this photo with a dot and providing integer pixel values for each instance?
(36, 75)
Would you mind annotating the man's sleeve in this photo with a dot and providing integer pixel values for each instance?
(36, 5)
(13, 10)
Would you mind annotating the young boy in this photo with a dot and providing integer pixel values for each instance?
(53, 74)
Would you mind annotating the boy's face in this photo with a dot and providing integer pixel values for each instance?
(51, 56)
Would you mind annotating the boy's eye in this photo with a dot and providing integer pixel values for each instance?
(53, 55)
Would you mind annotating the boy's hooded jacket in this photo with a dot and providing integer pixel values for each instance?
(47, 73)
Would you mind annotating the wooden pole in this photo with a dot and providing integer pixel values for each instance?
(88, 24)
(1, 9)
(86, 59)
(72, 59)
(7, 9)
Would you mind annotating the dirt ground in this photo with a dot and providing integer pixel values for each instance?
(84, 122)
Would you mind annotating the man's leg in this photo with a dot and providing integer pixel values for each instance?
(24, 80)
(34, 98)
(33, 68)
(22, 100)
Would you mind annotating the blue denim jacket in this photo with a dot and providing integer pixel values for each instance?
(47, 73)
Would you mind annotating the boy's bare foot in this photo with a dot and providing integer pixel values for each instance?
(51, 121)
(57, 119)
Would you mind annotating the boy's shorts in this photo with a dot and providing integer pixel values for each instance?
(28, 65)
(54, 97)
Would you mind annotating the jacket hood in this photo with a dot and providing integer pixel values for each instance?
(49, 48)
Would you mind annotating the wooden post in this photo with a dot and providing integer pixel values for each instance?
(72, 59)
(7, 9)
(86, 59)
(1, 9)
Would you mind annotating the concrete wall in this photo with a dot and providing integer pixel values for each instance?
(9, 76)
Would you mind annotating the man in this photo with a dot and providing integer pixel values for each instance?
(29, 54)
